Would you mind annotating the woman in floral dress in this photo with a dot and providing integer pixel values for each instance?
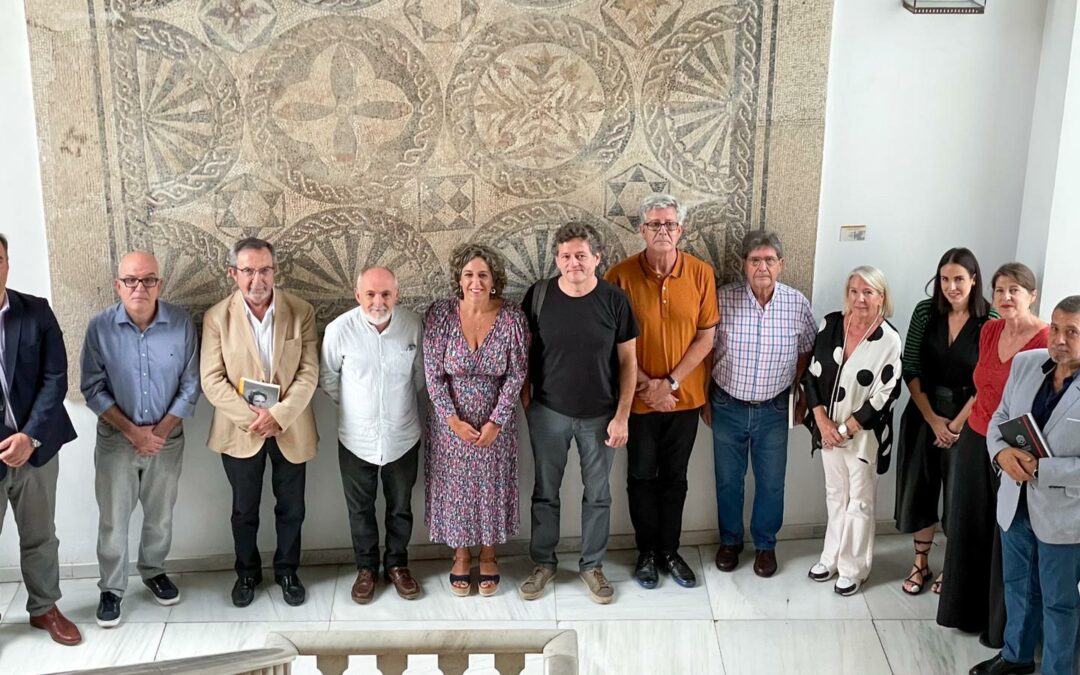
(475, 356)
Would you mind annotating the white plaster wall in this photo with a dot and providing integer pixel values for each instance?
(926, 142)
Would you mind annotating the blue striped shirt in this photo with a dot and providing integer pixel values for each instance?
(757, 348)
(146, 374)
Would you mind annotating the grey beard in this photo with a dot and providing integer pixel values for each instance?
(378, 321)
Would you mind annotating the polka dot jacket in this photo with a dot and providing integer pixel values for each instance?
(869, 384)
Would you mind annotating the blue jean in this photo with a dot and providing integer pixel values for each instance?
(761, 431)
(1040, 597)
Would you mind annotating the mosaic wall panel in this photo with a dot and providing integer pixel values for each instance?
(352, 132)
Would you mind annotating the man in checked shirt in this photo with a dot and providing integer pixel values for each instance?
(763, 344)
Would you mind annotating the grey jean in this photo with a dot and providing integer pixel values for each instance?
(122, 479)
(32, 492)
(550, 434)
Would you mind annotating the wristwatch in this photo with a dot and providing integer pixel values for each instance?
(842, 429)
(674, 383)
(34, 442)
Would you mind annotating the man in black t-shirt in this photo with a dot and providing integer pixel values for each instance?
(582, 373)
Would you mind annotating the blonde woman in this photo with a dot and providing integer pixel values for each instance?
(851, 386)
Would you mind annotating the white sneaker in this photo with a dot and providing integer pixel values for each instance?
(820, 573)
(847, 586)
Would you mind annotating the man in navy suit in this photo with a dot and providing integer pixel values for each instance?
(33, 426)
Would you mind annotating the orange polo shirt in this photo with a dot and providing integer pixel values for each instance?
(670, 311)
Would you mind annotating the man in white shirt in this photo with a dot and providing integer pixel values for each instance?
(372, 367)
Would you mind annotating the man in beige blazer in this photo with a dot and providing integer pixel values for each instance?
(267, 335)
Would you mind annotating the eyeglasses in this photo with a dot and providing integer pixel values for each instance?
(249, 272)
(769, 262)
(147, 282)
(655, 225)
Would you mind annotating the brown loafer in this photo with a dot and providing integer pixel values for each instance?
(404, 583)
(363, 589)
(727, 557)
(765, 563)
(60, 629)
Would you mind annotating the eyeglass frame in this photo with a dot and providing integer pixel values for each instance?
(250, 272)
(133, 282)
(770, 261)
(656, 225)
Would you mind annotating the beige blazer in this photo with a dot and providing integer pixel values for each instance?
(229, 353)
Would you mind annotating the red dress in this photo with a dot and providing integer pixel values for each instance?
(991, 373)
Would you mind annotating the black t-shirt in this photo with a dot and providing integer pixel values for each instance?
(573, 362)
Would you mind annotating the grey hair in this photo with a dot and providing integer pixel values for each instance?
(577, 230)
(251, 244)
(3, 240)
(659, 200)
(756, 239)
(1069, 305)
(875, 278)
(368, 268)
(463, 253)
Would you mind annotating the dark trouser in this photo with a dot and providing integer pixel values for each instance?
(287, 480)
(658, 452)
(360, 479)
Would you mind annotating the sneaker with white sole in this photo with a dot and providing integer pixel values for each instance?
(820, 573)
(533, 586)
(599, 588)
(108, 610)
(847, 586)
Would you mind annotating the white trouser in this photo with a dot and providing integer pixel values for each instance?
(850, 486)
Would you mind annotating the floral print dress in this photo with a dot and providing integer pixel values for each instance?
(471, 493)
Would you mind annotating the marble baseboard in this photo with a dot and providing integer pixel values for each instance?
(344, 556)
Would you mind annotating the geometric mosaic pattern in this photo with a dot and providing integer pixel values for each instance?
(349, 132)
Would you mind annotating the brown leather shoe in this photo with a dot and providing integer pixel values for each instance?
(363, 589)
(727, 557)
(404, 583)
(765, 563)
(60, 629)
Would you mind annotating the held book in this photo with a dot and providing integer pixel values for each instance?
(1023, 433)
(259, 394)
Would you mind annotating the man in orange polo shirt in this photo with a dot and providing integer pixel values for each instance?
(673, 295)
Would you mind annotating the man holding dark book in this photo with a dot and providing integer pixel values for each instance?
(372, 367)
(1039, 505)
(266, 337)
(140, 376)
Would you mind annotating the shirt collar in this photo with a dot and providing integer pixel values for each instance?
(269, 310)
(1048, 366)
(161, 315)
(676, 271)
(7, 303)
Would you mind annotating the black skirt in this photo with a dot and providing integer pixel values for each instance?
(972, 592)
(919, 469)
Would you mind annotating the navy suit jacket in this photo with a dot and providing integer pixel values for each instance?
(35, 365)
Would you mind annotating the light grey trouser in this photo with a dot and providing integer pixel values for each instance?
(32, 492)
(124, 478)
(550, 433)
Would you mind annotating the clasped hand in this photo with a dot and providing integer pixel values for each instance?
(264, 426)
(657, 394)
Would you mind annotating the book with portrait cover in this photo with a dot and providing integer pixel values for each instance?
(259, 394)
(1024, 434)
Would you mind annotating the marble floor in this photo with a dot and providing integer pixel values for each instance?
(731, 623)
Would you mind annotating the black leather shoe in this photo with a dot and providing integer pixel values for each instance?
(164, 590)
(765, 563)
(727, 557)
(243, 591)
(292, 589)
(999, 666)
(645, 570)
(672, 563)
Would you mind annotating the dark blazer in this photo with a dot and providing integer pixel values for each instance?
(35, 364)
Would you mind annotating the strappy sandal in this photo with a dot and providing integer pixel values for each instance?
(916, 581)
(936, 586)
(489, 583)
(457, 579)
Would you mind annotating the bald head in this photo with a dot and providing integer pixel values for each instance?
(138, 283)
(377, 293)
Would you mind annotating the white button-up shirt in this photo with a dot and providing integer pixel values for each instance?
(375, 377)
(264, 336)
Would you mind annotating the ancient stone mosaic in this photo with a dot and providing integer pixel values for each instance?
(353, 132)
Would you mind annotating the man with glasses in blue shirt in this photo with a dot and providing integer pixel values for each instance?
(140, 376)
